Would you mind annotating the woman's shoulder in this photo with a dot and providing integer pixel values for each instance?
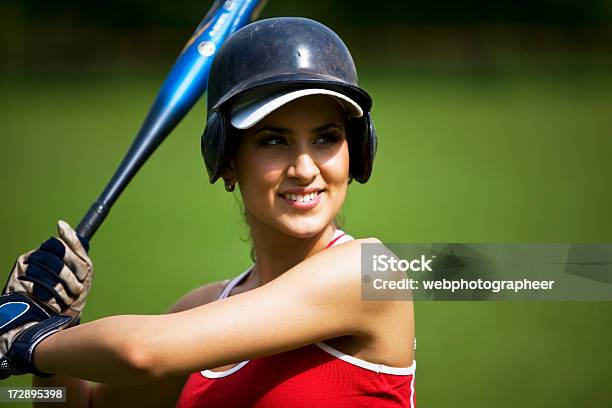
(199, 296)
(335, 270)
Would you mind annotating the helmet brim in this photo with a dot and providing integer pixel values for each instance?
(267, 85)
(248, 112)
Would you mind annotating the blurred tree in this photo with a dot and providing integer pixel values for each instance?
(73, 34)
(142, 12)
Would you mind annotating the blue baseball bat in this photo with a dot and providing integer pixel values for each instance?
(182, 88)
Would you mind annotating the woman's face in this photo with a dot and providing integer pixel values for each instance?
(293, 166)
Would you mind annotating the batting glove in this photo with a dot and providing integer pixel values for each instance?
(23, 325)
(57, 275)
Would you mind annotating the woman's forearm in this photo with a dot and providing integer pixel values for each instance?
(108, 350)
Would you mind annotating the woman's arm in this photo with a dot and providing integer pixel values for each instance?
(163, 393)
(318, 299)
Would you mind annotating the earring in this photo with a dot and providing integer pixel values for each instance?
(230, 187)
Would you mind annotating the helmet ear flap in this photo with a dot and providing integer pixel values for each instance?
(372, 142)
(362, 147)
(213, 144)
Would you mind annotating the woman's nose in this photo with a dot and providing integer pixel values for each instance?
(303, 167)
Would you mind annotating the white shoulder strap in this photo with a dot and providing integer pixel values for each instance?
(338, 238)
(236, 281)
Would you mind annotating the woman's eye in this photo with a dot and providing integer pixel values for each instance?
(329, 138)
(272, 141)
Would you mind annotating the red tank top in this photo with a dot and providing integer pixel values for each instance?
(316, 375)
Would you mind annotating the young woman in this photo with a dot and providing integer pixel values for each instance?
(289, 126)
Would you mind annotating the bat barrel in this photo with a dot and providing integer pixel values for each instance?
(184, 85)
(159, 123)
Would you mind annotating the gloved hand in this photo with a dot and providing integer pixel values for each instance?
(57, 275)
(23, 325)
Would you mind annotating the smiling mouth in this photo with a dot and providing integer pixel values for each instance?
(302, 198)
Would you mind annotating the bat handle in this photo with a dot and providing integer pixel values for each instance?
(92, 220)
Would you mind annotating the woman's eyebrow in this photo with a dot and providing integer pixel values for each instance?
(281, 130)
(274, 130)
(326, 127)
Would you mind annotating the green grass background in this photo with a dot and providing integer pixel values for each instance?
(524, 157)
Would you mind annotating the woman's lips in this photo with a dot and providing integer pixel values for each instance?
(302, 201)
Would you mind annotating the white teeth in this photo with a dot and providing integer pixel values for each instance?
(301, 198)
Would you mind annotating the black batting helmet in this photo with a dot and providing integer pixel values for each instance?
(280, 59)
